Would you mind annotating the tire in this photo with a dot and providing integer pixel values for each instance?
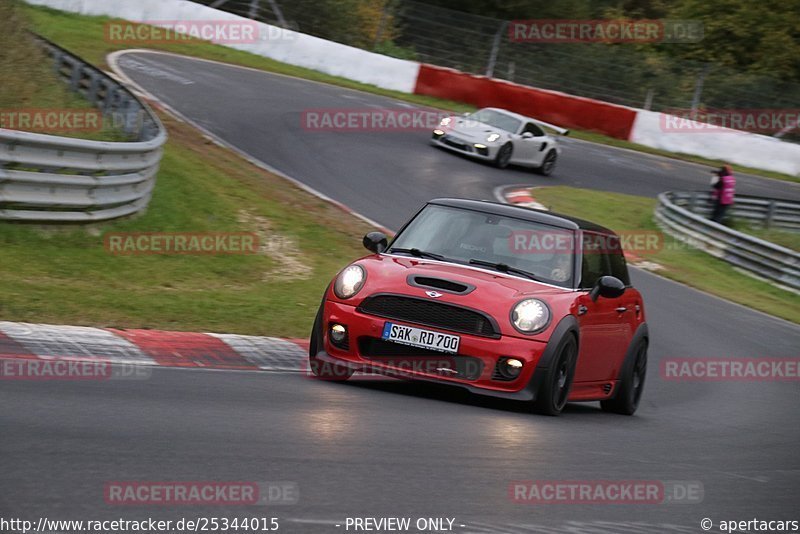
(503, 157)
(330, 372)
(631, 386)
(549, 164)
(553, 395)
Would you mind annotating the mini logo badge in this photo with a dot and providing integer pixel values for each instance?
(433, 294)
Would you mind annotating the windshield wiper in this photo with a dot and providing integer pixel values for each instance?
(504, 268)
(419, 253)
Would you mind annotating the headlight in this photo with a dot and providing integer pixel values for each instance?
(349, 282)
(530, 316)
(493, 137)
(445, 121)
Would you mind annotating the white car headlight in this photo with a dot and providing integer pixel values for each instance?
(530, 316)
(493, 137)
(349, 282)
(445, 121)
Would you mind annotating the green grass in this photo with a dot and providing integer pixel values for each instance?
(30, 83)
(85, 36)
(628, 213)
(784, 238)
(65, 275)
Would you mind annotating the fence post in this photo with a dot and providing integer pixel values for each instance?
(498, 37)
(770, 214)
(253, 13)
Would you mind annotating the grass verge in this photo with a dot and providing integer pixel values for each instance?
(85, 36)
(628, 213)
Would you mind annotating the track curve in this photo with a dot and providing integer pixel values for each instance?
(402, 449)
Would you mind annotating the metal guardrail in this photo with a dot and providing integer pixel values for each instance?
(761, 258)
(47, 178)
(758, 211)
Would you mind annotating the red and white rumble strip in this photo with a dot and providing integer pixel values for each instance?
(149, 347)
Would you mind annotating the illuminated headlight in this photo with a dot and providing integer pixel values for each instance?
(445, 121)
(493, 137)
(349, 282)
(530, 316)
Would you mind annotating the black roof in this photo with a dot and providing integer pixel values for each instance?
(521, 212)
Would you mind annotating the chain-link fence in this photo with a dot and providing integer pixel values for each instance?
(622, 73)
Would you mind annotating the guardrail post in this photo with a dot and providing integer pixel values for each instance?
(770, 214)
(692, 202)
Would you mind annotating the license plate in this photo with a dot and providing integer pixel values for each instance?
(418, 337)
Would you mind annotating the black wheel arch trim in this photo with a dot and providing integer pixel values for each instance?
(642, 333)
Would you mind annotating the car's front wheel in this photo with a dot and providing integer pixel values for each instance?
(549, 163)
(631, 386)
(552, 396)
(320, 369)
(503, 157)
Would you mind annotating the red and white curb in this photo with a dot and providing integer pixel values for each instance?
(151, 347)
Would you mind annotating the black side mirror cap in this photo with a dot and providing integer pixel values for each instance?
(609, 287)
(376, 242)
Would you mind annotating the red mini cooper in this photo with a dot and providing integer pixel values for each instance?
(502, 300)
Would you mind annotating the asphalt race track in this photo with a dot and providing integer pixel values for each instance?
(374, 449)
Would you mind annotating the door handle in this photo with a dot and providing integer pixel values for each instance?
(622, 309)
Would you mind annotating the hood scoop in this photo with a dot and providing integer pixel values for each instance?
(442, 284)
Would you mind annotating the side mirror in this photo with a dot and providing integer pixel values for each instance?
(376, 242)
(527, 135)
(609, 287)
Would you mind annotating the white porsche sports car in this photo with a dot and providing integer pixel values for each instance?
(502, 137)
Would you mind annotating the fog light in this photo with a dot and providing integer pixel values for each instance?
(438, 132)
(338, 332)
(507, 369)
(514, 365)
(479, 145)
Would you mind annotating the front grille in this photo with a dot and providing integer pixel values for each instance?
(426, 312)
(408, 358)
(456, 143)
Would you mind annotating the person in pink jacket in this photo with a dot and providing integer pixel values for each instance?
(723, 193)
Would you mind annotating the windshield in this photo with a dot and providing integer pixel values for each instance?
(461, 235)
(496, 119)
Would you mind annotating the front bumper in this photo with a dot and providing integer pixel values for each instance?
(462, 146)
(474, 365)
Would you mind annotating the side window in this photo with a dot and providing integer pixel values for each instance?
(602, 255)
(594, 261)
(616, 259)
(532, 128)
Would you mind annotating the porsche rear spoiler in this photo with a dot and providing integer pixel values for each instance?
(557, 129)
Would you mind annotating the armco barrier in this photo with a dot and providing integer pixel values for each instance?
(762, 258)
(47, 178)
(550, 106)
